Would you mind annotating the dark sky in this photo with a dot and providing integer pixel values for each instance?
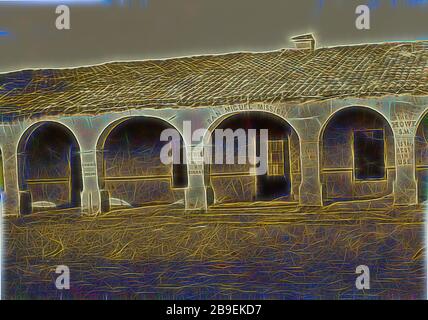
(167, 28)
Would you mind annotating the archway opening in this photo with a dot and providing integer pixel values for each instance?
(239, 181)
(357, 156)
(49, 168)
(130, 166)
(421, 159)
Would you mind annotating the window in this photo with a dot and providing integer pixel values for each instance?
(369, 154)
(276, 158)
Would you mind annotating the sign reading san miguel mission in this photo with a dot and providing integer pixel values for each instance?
(217, 112)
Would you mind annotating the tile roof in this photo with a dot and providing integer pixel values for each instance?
(367, 70)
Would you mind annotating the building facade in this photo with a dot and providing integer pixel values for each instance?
(345, 123)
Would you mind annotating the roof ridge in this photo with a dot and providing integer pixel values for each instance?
(213, 55)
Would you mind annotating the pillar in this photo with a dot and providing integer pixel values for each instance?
(195, 195)
(310, 193)
(10, 171)
(405, 186)
(91, 202)
(87, 133)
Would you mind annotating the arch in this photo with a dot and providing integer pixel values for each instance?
(49, 168)
(344, 108)
(357, 155)
(129, 164)
(236, 182)
(213, 125)
(421, 157)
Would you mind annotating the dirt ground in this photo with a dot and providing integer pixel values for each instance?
(230, 252)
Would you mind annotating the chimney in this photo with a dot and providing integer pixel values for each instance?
(304, 42)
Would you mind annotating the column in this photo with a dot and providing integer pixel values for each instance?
(10, 172)
(196, 192)
(87, 132)
(310, 193)
(91, 200)
(405, 187)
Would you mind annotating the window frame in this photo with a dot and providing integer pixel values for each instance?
(277, 164)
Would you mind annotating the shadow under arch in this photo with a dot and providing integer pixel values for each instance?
(234, 183)
(1, 172)
(357, 155)
(421, 157)
(131, 173)
(49, 168)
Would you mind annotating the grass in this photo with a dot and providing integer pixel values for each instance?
(239, 251)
